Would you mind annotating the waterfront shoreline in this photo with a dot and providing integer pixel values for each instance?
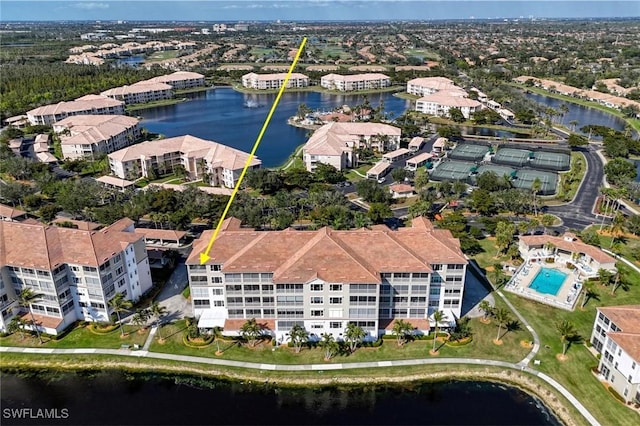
(390, 376)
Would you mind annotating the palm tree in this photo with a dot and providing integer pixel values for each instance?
(140, 318)
(502, 317)
(17, 325)
(299, 336)
(401, 329)
(25, 298)
(486, 308)
(573, 124)
(438, 317)
(158, 312)
(566, 331)
(119, 305)
(605, 276)
(328, 345)
(617, 227)
(251, 331)
(353, 335)
(192, 327)
(588, 293)
(535, 189)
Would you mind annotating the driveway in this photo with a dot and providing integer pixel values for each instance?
(171, 295)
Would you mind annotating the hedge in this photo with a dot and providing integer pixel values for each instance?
(205, 342)
(616, 395)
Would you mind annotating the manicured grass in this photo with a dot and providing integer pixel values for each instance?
(576, 157)
(631, 244)
(81, 337)
(482, 346)
(574, 373)
(423, 53)
(164, 102)
(489, 256)
(162, 55)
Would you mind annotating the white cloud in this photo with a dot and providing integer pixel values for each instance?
(91, 6)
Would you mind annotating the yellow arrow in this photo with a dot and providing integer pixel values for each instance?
(204, 256)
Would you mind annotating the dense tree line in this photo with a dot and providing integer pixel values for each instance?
(27, 86)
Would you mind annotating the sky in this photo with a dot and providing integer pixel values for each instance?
(309, 10)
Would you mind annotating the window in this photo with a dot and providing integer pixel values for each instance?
(266, 277)
(420, 276)
(215, 268)
(234, 288)
(317, 300)
(335, 300)
(633, 365)
(201, 303)
(191, 267)
(362, 312)
(417, 313)
(363, 288)
(317, 313)
(335, 324)
(251, 301)
(254, 312)
(233, 278)
(234, 301)
(317, 287)
(287, 325)
(236, 313)
(252, 288)
(290, 313)
(198, 279)
(434, 291)
(289, 288)
(218, 303)
(455, 266)
(419, 300)
(401, 289)
(250, 277)
(399, 312)
(216, 280)
(267, 301)
(437, 267)
(436, 279)
(217, 291)
(419, 289)
(268, 288)
(290, 300)
(449, 292)
(335, 287)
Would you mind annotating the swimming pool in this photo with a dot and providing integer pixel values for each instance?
(548, 281)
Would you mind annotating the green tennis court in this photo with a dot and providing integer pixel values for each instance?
(452, 170)
(551, 160)
(524, 180)
(469, 152)
(512, 156)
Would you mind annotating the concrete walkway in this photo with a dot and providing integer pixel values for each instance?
(313, 367)
(149, 340)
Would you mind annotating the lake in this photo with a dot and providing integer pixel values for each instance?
(222, 115)
(583, 115)
(116, 398)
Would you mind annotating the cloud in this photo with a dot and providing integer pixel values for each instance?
(91, 6)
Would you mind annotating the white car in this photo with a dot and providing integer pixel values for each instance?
(381, 180)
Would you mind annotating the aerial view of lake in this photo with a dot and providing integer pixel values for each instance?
(116, 398)
(235, 119)
(583, 115)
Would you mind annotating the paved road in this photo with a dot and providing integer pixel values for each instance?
(171, 295)
(578, 213)
(313, 367)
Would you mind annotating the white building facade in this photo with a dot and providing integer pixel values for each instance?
(85, 105)
(76, 272)
(274, 81)
(616, 336)
(325, 279)
(348, 83)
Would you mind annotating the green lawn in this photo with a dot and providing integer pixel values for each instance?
(574, 373)
(81, 337)
(482, 346)
(631, 245)
(489, 256)
(162, 55)
(423, 53)
(575, 158)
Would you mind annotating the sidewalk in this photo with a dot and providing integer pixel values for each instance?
(313, 367)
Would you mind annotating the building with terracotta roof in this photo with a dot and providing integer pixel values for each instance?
(142, 92)
(11, 214)
(218, 164)
(586, 258)
(348, 83)
(76, 271)
(439, 103)
(427, 85)
(325, 279)
(180, 80)
(616, 336)
(274, 81)
(88, 136)
(85, 105)
(334, 143)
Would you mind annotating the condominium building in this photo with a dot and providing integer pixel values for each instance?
(347, 83)
(85, 105)
(334, 143)
(428, 85)
(325, 279)
(141, 92)
(77, 272)
(274, 81)
(87, 136)
(180, 80)
(440, 103)
(215, 163)
(616, 336)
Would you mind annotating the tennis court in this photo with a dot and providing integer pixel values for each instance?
(524, 180)
(498, 170)
(452, 170)
(551, 160)
(469, 152)
(512, 156)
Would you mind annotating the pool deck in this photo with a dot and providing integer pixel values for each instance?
(568, 293)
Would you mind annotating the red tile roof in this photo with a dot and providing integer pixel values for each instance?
(574, 246)
(356, 256)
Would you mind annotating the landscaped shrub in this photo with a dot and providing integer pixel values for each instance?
(460, 342)
(199, 342)
(102, 328)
